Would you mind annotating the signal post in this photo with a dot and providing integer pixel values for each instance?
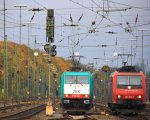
(105, 69)
(52, 52)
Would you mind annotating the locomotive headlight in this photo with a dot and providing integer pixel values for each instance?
(139, 96)
(66, 95)
(129, 87)
(119, 96)
(86, 96)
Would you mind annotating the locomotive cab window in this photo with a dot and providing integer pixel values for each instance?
(134, 81)
(76, 79)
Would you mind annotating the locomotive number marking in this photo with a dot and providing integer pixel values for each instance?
(129, 96)
(76, 91)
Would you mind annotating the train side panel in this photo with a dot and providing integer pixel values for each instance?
(110, 89)
(62, 86)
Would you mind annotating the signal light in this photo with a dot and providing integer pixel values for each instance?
(53, 50)
(50, 49)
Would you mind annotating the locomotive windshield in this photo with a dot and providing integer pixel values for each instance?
(76, 79)
(125, 81)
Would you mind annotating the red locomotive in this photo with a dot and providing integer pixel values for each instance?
(127, 90)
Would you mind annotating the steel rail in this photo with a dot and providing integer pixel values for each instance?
(25, 113)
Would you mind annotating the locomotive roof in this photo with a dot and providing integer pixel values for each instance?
(77, 73)
(126, 73)
(130, 69)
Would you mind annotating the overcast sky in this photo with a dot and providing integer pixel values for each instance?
(124, 18)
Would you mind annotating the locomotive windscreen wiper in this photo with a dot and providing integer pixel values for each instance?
(71, 84)
(80, 83)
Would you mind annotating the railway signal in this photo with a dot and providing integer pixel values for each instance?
(46, 47)
(50, 25)
(50, 49)
(53, 50)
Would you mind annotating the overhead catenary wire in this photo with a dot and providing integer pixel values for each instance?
(99, 14)
(9, 21)
(129, 28)
(8, 16)
(129, 5)
(39, 4)
(120, 25)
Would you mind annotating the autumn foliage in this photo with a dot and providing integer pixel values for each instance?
(21, 60)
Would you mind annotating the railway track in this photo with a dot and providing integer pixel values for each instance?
(138, 117)
(72, 117)
(142, 116)
(24, 114)
(12, 107)
(98, 116)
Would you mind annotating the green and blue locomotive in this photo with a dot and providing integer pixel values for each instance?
(76, 89)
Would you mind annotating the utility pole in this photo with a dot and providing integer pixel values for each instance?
(131, 48)
(34, 72)
(19, 64)
(20, 7)
(29, 85)
(96, 61)
(142, 59)
(35, 40)
(5, 90)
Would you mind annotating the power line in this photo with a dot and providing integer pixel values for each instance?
(39, 4)
(9, 21)
(10, 27)
(119, 25)
(8, 16)
(129, 5)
